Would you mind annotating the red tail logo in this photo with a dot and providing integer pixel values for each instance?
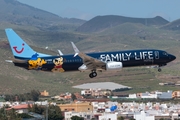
(18, 51)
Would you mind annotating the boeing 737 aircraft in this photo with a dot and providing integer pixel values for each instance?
(25, 56)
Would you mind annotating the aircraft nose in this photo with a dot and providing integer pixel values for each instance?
(172, 57)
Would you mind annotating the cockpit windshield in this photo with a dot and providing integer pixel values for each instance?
(165, 53)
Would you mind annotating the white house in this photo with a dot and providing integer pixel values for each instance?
(87, 116)
(108, 117)
(143, 116)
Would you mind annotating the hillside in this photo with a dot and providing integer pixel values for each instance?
(15, 12)
(18, 80)
(101, 23)
(174, 25)
(42, 29)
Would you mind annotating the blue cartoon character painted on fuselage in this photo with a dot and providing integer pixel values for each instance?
(35, 62)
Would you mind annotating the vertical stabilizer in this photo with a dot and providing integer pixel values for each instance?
(19, 47)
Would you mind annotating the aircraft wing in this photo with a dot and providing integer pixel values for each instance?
(90, 62)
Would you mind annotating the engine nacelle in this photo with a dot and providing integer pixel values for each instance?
(114, 66)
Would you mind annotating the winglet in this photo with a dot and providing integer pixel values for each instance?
(75, 49)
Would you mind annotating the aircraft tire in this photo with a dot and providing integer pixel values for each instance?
(91, 75)
(159, 70)
(94, 74)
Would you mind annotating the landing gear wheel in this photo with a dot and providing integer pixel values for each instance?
(159, 70)
(93, 74)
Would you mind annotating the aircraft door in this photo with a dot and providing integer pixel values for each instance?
(156, 54)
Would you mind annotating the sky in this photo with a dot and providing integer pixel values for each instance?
(87, 9)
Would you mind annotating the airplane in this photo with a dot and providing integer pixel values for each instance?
(26, 57)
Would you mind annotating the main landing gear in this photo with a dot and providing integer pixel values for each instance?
(159, 67)
(93, 74)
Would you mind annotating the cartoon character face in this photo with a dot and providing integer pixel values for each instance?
(58, 62)
(36, 64)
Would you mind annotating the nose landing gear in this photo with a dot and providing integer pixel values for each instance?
(159, 69)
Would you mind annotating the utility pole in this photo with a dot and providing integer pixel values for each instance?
(47, 112)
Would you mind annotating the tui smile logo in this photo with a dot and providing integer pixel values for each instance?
(19, 51)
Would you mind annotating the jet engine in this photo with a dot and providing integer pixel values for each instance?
(114, 66)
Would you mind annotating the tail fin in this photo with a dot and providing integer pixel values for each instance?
(20, 49)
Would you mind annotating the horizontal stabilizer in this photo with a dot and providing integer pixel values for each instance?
(10, 61)
(16, 61)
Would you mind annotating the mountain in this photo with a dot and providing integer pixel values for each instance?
(101, 23)
(21, 14)
(174, 25)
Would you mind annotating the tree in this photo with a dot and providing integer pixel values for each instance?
(12, 115)
(73, 97)
(54, 113)
(35, 95)
(36, 108)
(77, 118)
(132, 119)
(24, 115)
(3, 115)
(120, 118)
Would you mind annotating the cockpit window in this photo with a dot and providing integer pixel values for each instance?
(165, 53)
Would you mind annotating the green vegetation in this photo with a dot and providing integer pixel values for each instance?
(18, 80)
(77, 118)
(54, 113)
(33, 95)
(8, 115)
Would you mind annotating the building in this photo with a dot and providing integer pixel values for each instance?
(101, 107)
(86, 92)
(96, 92)
(21, 108)
(78, 96)
(164, 95)
(108, 116)
(77, 107)
(45, 93)
(155, 95)
(176, 94)
(143, 116)
(86, 115)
